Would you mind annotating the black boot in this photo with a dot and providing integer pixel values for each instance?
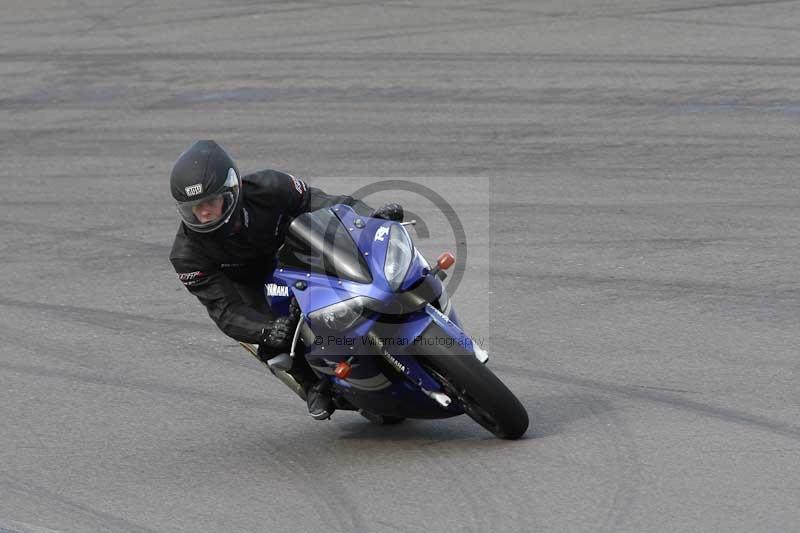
(320, 404)
(316, 390)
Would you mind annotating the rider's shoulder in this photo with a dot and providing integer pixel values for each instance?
(267, 180)
(185, 247)
(273, 188)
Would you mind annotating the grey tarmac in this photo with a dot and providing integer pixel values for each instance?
(627, 176)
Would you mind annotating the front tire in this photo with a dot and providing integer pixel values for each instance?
(480, 393)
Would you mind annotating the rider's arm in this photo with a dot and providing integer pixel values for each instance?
(220, 297)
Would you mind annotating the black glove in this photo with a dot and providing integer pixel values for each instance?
(294, 310)
(278, 333)
(389, 212)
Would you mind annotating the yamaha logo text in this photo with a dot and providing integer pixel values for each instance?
(274, 289)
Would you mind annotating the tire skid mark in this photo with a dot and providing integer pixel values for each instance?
(213, 14)
(302, 468)
(610, 428)
(105, 19)
(718, 24)
(119, 321)
(107, 521)
(446, 460)
(664, 288)
(129, 323)
(330, 36)
(659, 243)
(475, 499)
(140, 248)
(261, 10)
(628, 468)
(13, 526)
(328, 491)
(460, 485)
(127, 56)
(451, 463)
(592, 409)
(714, 5)
(518, 21)
(248, 95)
(74, 352)
(656, 396)
(149, 386)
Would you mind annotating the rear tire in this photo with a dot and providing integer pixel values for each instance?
(482, 395)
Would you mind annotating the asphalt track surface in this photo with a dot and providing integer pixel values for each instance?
(632, 165)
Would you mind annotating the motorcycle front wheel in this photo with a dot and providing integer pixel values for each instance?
(480, 393)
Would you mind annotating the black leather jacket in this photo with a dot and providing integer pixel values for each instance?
(209, 265)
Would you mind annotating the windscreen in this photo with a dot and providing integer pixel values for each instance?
(319, 242)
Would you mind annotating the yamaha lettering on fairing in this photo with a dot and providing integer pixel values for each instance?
(277, 290)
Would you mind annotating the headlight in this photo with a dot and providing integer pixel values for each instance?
(342, 315)
(399, 254)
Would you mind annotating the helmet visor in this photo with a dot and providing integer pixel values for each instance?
(211, 211)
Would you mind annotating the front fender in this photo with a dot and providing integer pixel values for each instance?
(412, 331)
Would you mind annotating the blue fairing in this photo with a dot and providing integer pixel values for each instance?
(388, 376)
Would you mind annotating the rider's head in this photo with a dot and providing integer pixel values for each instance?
(206, 186)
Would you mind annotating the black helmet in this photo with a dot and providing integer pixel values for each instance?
(205, 174)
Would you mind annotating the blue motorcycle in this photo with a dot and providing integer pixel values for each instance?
(377, 322)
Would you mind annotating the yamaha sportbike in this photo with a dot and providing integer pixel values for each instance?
(377, 322)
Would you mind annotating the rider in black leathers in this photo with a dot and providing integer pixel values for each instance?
(231, 229)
